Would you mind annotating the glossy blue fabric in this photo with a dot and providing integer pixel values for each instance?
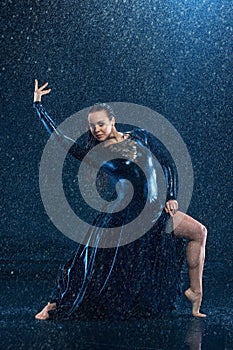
(138, 279)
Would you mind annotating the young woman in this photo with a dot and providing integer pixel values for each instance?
(141, 278)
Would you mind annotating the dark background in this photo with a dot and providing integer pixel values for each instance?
(171, 56)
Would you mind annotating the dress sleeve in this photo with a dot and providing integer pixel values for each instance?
(66, 142)
(165, 160)
(167, 163)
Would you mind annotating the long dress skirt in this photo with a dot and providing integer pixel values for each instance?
(139, 279)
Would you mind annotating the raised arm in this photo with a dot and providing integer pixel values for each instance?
(66, 142)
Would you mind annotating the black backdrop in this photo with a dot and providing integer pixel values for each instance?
(171, 56)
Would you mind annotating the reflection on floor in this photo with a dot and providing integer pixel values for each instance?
(22, 298)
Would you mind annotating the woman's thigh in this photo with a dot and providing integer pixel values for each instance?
(185, 226)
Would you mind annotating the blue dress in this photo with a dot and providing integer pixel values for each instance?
(138, 279)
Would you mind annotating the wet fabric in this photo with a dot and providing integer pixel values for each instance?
(138, 279)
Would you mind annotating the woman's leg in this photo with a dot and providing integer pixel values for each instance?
(185, 226)
(44, 313)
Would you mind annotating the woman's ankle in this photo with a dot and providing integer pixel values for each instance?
(52, 306)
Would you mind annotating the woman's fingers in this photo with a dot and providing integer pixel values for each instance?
(171, 207)
(43, 86)
(169, 211)
(45, 92)
(40, 91)
(36, 84)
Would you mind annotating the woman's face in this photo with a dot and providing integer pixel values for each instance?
(100, 125)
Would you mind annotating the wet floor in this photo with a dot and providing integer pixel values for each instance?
(22, 297)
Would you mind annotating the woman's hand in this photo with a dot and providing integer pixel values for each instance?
(39, 92)
(116, 134)
(171, 207)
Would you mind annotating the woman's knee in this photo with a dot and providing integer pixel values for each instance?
(202, 233)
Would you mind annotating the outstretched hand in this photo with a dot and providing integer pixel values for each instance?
(39, 92)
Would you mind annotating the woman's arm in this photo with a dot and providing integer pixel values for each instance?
(70, 145)
(66, 142)
(169, 169)
(164, 158)
(168, 166)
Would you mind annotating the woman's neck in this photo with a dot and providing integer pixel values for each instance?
(113, 139)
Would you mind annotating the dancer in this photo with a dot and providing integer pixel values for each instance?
(141, 278)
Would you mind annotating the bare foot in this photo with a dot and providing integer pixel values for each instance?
(195, 299)
(44, 314)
